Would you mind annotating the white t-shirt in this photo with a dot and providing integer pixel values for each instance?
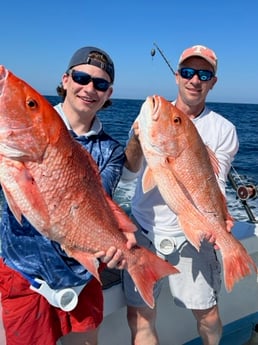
(150, 210)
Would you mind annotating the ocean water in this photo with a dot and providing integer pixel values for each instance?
(118, 118)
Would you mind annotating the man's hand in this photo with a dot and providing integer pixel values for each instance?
(113, 257)
(133, 151)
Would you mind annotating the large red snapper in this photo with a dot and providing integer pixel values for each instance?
(182, 167)
(50, 179)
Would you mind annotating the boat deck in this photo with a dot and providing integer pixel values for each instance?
(177, 326)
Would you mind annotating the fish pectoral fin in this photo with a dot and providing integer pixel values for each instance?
(89, 261)
(27, 194)
(124, 222)
(148, 182)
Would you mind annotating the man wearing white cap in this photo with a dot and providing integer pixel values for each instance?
(197, 285)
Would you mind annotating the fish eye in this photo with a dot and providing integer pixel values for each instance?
(177, 120)
(31, 103)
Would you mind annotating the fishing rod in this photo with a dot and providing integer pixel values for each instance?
(153, 52)
(244, 192)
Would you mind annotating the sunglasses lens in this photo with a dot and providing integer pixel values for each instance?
(80, 77)
(83, 78)
(203, 75)
(100, 84)
(187, 73)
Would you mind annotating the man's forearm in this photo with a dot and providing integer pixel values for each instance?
(134, 155)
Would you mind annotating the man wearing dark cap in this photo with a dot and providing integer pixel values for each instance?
(30, 317)
(197, 285)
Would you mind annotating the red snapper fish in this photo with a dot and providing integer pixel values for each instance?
(50, 179)
(183, 169)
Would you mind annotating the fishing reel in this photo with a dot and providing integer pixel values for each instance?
(246, 192)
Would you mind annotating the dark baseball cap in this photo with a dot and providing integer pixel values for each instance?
(82, 56)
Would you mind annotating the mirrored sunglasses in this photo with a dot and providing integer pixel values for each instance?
(188, 73)
(84, 78)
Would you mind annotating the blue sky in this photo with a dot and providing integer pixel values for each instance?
(39, 37)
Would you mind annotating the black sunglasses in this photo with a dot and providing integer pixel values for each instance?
(84, 78)
(188, 73)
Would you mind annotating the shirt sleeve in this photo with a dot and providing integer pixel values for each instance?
(112, 171)
(220, 135)
(225, 153)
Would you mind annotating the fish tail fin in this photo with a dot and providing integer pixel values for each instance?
(237, 265)
(150, 268)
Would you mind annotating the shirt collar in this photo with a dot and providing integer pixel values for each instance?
(96, 127)
(195, 119)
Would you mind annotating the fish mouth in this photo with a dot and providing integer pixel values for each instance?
(3, 77)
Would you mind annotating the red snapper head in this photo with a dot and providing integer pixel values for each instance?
(162, 127)
(28, 123)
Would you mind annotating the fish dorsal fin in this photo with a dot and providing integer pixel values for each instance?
(148, 182)
(214, 161)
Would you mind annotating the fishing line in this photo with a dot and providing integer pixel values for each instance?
(153, 52)
(243, 190)
(237, 175)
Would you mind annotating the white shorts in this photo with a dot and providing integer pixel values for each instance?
(195, 287)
